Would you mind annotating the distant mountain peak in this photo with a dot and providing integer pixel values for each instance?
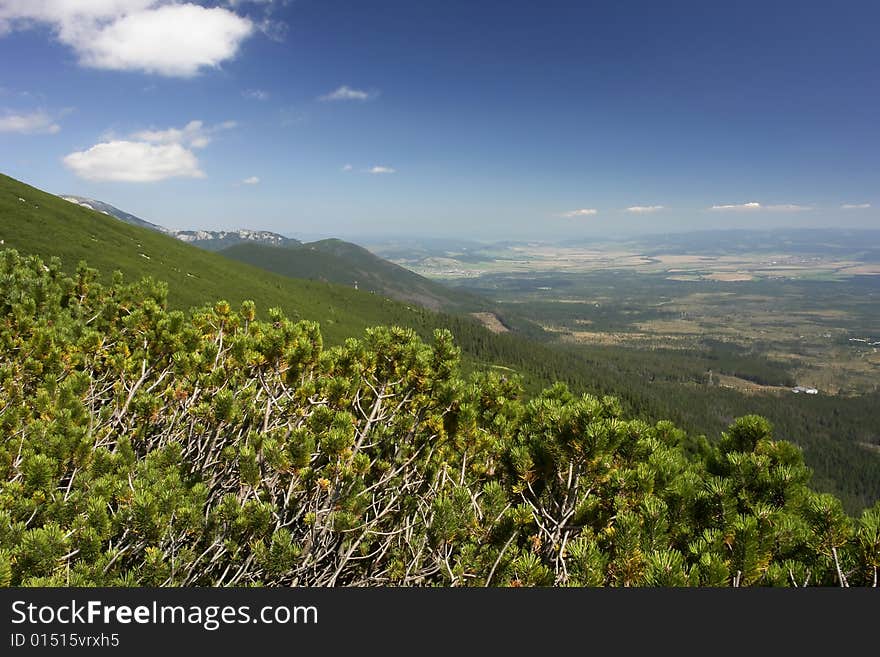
(212, 240)
(215, 240)
(106, 208)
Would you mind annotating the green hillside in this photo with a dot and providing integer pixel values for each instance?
(831, 436)
(45, 225)
(337, 261)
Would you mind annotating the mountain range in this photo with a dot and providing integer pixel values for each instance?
(343, 287)
(106, 208)
(329, 260)
(212, 240)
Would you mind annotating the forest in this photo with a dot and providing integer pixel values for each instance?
(141, 445)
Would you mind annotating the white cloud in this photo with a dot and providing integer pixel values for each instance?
(378, 169)
(172, 40)
(253, 180)
(346, 93)
(754, 205)
(147, 155)
(273, 29)
(67, 12)
(37, 122)
(255, 94)
(855, 206)
(193, 135)
(347, 167)
(741, 207)
(582, 212)
(154, 36)
(644, 209)
(133, 161)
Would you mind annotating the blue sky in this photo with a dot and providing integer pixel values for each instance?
(488, 120)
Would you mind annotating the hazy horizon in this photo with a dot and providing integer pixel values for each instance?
(488, 121)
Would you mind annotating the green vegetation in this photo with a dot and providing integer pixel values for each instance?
(142, 446)
(336, 261)
(839, 436)
(47, 226)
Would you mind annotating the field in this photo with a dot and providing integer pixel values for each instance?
(822, 333)
(776, 259)
(808, 307)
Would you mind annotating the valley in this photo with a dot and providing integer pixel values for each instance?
(727, 255)
(809, 308)
(705, 331)
(698, 352)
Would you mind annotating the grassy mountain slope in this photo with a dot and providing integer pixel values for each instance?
(45, 225)
(211, 240)
(336, 261)
(113, 211)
